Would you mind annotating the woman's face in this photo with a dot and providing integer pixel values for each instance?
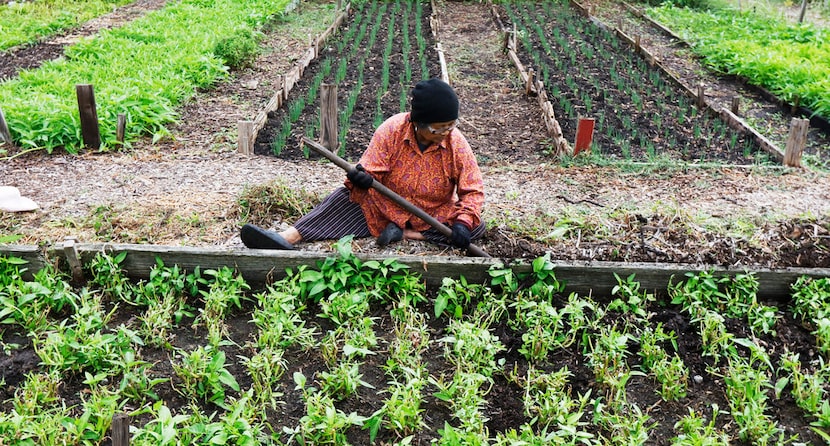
(435, 132)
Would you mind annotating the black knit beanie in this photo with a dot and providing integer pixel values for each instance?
(433, 101)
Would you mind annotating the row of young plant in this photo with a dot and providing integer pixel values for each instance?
(361, 55)
(790, 60)
(24, 22)
(74, 333)
(754, 376)
(143, 70)
(589, 72)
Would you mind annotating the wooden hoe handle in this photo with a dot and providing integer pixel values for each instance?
(472, 250)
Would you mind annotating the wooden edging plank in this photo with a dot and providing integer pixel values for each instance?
(260, 267)
(735, 121)
(552, 125)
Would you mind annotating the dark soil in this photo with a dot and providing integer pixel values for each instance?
(504, 409)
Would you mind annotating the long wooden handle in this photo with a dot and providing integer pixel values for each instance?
(472, 250)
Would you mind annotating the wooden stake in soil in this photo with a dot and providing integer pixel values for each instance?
(5, 135)
(736, 104)
(445, 74)
(120, 429)
(701, 96)
(328, 116)
(89, 116)
(529, 82)
(71, 254)
(584, 135)
(246, 138)
(796, 142)
(120, 128)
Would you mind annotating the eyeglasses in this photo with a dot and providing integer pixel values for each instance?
(442, 130)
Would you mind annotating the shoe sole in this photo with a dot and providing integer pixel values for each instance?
(255, 237)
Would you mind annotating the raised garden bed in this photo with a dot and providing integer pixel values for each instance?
(424, 349)
(641, 114)
(373, 61)
(496, 405)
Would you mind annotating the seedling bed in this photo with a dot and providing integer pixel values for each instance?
(641, 115)
(374, 82)
(496, 381)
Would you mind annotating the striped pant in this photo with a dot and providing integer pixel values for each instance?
(336, 217)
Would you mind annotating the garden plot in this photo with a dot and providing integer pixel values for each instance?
(374, 61)
(26, 22)
(355, 350)
(640, 114)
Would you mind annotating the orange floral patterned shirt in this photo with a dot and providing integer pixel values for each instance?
(444, 180)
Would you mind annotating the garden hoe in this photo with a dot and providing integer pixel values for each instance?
(472, 250)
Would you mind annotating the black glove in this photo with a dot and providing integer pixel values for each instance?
(359, 177)
(460, 235)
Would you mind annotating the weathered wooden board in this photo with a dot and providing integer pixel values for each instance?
(259, 267)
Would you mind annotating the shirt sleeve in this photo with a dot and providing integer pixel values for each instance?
(470, 187)
(375, 159)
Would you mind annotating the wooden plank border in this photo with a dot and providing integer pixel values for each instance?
(260, 267)
(537, 88)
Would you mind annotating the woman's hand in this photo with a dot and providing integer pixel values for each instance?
(360, 178)
(460, 235)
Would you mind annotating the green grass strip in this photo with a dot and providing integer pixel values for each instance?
(144, 70)
(29, 21)
(791, 61)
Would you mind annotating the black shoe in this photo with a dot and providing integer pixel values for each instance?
(392, 233)
(257, 238)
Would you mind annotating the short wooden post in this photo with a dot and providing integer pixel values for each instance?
(530, 81)
(74, 260)
(5, 135)
(120, 429)
(701, 95)
(89, 116)
(281, 87)
(246, 138)
(328, 117)
(637, 44)
(584, 135)
(736, 104)
(796, 142)
(120, 128)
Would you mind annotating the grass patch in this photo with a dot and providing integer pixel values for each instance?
(262, 203)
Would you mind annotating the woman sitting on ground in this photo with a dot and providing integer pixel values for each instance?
(420, 155)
